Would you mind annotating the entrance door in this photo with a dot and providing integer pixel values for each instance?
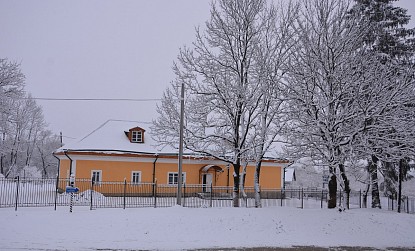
(207, 182)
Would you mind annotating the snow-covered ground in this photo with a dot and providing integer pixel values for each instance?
(179, 228)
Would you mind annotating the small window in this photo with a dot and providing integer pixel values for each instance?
(137, 136)
(135, 177)
(173, 178)
(96, 176)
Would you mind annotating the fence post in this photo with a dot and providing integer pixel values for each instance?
(17, 192)
(321, 201)
(91, 193)
(246, 200)
(71, 182)
(281, 195)
(360, 198)
(407, 204)
(302, 198)
(125, 191)
(155, 193)
(71, 203)
(184, 195)
(340, 198)
(56, 190)
(211, 194)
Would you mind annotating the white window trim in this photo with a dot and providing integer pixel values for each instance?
(137, 139)
(100, 176)
(132, 178)
(183, 175)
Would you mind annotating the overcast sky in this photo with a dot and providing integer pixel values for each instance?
(100, 49)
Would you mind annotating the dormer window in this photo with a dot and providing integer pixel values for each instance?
(136, 135)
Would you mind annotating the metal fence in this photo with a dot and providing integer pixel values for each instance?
(407, 204)
(52, 192)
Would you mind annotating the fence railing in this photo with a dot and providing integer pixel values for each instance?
(407, 204)
(52, 192)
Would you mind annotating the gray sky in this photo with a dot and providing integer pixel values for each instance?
(100, 49)
(97, 49)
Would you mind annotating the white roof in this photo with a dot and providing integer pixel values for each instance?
(110, 137)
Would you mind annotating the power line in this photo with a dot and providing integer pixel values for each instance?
(63, 136)
(97, 99)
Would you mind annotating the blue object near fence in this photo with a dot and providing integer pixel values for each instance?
(70, 189)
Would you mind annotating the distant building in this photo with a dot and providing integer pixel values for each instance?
(289, 177)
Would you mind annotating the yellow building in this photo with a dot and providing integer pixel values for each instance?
(123, 150)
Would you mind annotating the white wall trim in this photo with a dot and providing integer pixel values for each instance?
(160, 159)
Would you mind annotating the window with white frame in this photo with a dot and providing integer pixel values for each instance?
(173, 178)
(96, 176)
(137, 136)
(135, 177)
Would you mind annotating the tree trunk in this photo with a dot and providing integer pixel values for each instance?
(242, 186)
(2, 157)
(235, 195)
(374, 182)
(332, 192)
(44, 166)
(346, 184)
(400, 178)
(366, 191)
(257, 189)
(1, 164)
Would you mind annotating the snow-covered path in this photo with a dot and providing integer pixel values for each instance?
(179, 228)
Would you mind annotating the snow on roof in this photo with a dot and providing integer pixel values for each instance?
(111, 136)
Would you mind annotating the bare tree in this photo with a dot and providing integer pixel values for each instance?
(11, 87)
(35, 125)
(45, 145)
(395, 132)
(21, 123)
(273, 53)
(25, 122)
(322, 84)
(393, 44)
(11, 81)
(222, 91)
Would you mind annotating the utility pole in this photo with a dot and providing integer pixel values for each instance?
(2, 155)
(179, 178)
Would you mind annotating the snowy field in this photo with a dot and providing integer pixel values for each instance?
(179, 228)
